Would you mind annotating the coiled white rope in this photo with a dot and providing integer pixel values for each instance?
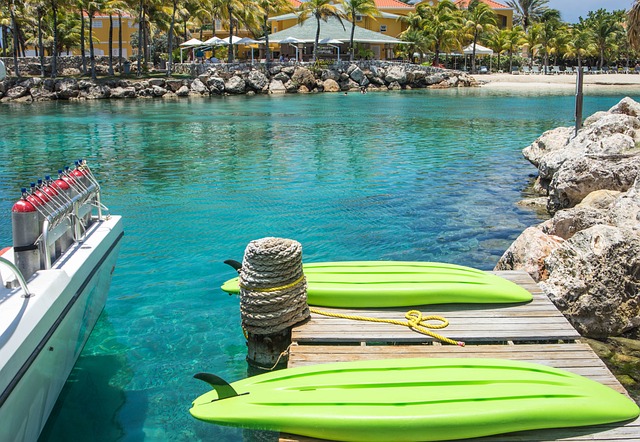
(273, 289)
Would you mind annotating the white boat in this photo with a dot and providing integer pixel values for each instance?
(54, 284)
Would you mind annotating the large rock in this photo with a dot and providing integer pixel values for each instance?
(304, 77)
(216, 85)
(330, 85)
(396, 74)
(594, 279)
(235, 85)
(67, 88)
(528, 253)
(198, 87)
(277, 87)
(257, 81)
(579, 177)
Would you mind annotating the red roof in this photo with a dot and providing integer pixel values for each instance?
(394, 4)
(295, 3)
(463, 4)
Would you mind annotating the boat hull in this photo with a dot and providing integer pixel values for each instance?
(415, 400)
(371, 284)
(51, 330)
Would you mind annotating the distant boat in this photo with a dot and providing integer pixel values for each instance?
(54, 284)
(426, 399)
(371, 284)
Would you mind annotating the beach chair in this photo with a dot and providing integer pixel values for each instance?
(569, 70)
(535, 70)
(526, 70)
(556, 70)
(515, 70)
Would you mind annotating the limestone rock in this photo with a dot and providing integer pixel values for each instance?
(183, 91)
(579, 177)
(277, 87)
(528, 253)
(16, 92)
(123, 92)
(568, 222)
(599, 199)
(396, 74)
(257, 81)
(235, 85)
(594, 279)
(216, 85)
(199, 87)
(67, 88)
(304, 77)
(331, 85)
(157, 91)
(626, 106)
(357, 75)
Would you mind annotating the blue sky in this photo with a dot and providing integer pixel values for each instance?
(572, 9)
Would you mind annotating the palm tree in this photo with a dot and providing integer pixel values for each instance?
(528, 11)
(355, 8)
(269, 7)
(548, 26)
(606, 27)
(321, 10)
(532, 41)
(480, 19)
(633, 25)
(515, 39)
(581, 44)
(499, 42)
(440, 25)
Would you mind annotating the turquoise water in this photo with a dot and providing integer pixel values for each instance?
(421, 175)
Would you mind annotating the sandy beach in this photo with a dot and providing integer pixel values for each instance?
(558, 82)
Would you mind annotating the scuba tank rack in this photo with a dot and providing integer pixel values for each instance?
(52, 216)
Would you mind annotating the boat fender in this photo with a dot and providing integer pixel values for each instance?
(235, 264)
(221, 386)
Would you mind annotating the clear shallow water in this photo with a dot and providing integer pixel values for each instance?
(423, 175)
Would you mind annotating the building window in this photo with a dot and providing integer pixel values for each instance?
(383, 28)
(116, 22)
(97, 23)
(358, 18)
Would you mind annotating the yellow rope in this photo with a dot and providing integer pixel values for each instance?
(415, 321)
(272, 289)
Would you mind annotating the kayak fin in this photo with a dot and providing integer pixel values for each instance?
(235, 264)
(221, 386)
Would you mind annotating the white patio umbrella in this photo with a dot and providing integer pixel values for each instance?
(248, 41)
(189, 44)
(215, 41)
(331, 42)
(291, 41)
(480, 50)
(234, 40)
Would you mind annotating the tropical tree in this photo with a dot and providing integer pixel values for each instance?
(499, 42)
(355, 8)
(480, 19)
(441, 23)
(321, 10)
(268, 8)
(606, 27)
(548, 32)
(515, 39)
(581, 45)
(633, 25)
(532, 41)
(527, 12)
(413, 41)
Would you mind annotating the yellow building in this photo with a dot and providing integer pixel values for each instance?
(100, 31)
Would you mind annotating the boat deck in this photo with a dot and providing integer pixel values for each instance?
(533, 332)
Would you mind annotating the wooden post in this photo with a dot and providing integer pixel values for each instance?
(268, 352)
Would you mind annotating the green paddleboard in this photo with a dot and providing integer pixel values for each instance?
(412, 400)
(371, 284)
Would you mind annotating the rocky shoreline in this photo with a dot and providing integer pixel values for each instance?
(239, 79)
(586, 257)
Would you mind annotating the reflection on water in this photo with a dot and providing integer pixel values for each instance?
(420, 175)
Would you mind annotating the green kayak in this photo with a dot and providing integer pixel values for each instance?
(371, 284)
(411, 400)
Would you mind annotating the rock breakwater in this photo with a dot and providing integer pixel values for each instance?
(238, 79)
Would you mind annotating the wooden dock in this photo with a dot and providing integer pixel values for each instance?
(533, 332)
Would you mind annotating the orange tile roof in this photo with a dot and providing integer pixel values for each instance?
(491, 3)
(395, 4)
(295, 3)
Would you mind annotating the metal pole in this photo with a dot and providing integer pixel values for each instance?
(579, 96)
